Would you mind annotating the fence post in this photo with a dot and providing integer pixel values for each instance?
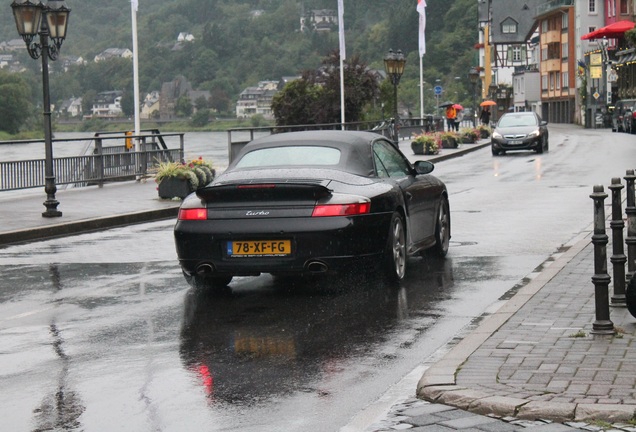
(618, 257)
(601, 279)
(99, 162)
(181, 149)
(630, 211)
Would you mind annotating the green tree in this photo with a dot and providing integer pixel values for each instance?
(88, 100)
(183, 107)
(200, 118)
(315, 97)
(201, 103)
(15, 107)
(219, 100)
(128, 104)
(360, 88)
(295, 104)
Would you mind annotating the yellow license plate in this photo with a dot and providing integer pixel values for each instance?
(259, 248)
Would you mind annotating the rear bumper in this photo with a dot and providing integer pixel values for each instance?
(334, 242)
(525, 144)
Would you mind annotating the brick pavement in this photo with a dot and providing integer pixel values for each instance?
(534, 364)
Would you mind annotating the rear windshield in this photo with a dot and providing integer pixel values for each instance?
(290, 156)
(517, 120)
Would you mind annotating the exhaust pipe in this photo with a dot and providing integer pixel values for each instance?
(317, 267)
(205, 269)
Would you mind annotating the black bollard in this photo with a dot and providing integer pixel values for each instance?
(630, 240)
(601, 279)
(618, 257)
(630, 211)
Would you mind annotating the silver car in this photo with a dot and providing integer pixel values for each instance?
(519, 131)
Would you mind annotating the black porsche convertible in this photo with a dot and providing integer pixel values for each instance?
(312, 202)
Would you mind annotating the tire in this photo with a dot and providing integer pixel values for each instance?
(544, 145)
(442, 229)
(495, 152)
(395, 254)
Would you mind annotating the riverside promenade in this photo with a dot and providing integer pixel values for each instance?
(531, 365)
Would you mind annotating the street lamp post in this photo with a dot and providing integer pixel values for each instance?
(492, 91)
(49, 22)
(394, 66)
(606, 88)
(473, 74)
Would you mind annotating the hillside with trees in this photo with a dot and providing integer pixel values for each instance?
(238, 43)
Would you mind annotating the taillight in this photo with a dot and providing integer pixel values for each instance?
(193, 214)
(341, 209)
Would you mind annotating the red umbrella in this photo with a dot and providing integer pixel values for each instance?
(614, 30)
(458, 107)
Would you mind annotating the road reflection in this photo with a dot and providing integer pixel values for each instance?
(62, 408)
(259, 341)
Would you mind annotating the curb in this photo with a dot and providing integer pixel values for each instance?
(85, 226)
(438, 384)
(460, 152)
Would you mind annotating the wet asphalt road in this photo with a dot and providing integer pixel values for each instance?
(100, 331)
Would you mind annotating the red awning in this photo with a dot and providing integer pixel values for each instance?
(614, 30)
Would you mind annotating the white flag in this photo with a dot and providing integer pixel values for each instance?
(421, 9)
(343, 53)
(135, 4)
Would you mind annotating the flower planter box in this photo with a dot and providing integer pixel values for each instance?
(449, 143)
(420, 148)
(174, 187)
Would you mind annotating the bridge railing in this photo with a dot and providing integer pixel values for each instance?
(109, 161)
(238, 137)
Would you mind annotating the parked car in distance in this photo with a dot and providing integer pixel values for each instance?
(623, 117)
(519, 131)
(310, 202)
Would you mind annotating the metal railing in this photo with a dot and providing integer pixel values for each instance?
(238, 137)
(105, 164)
(551, 5)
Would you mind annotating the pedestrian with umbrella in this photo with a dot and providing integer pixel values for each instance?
(459, 115)
(484, 117)
(451, 114)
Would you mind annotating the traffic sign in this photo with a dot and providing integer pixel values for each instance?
(438, 90)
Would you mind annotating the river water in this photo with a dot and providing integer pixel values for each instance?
(211, 146)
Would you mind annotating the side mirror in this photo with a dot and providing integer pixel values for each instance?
(423, 167)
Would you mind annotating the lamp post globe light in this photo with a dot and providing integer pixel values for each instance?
(473, 75)
(394, 66)
(49, 22)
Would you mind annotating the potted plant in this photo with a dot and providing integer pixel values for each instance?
(424, 144)
(484, 131)
(203, 166)
(469, 135)
(449, 139)
(178, 180)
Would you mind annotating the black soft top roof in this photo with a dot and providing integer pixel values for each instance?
(355, 146)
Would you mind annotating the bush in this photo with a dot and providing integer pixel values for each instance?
(425, 143)
(198, 172)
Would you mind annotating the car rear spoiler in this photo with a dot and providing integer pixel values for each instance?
(264, 190)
